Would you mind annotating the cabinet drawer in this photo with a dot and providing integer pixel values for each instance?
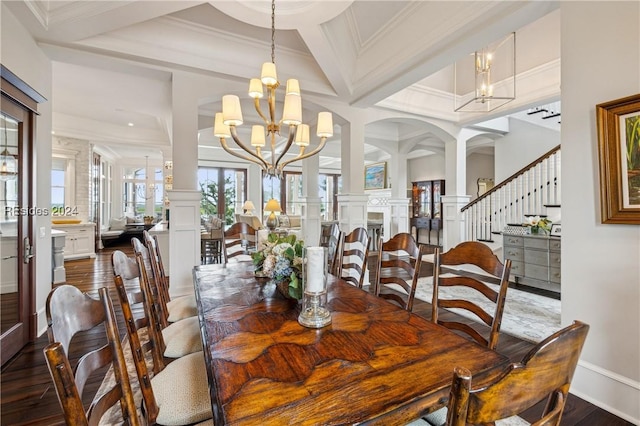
(536, 257)
(511, 240)
(554, 275)
(554, 259)
(517, 269)
(538, 243)
(514, 253)
(536, 272)
(554, 244)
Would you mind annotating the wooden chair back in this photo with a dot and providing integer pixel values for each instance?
(69, 311)
(158, 302)
(545, 372)
(354, 253)
(130, 288)
(237, 239)
(399, 262)
(157, 267)
(330, 238)
(481, 256)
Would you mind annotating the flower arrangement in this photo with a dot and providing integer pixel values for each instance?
(280, 258)
(537, 224)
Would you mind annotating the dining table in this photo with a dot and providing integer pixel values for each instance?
(375, 363)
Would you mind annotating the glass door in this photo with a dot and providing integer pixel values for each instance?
(16, 212)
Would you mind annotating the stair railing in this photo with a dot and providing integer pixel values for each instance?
(529, 191)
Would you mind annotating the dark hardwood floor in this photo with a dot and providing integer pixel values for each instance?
(28, 397)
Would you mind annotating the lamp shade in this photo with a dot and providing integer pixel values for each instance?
(293, 87)
(231, 111)
(292, 113)
(257, 135)
(220, 130)
(268, 75)
(302, 135)
(255, 88)
(272, 206)
(248, 206)
(325, 124)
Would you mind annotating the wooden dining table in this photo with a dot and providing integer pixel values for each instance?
(374, 364)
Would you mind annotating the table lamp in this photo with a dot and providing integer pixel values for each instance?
(272, 206)
(248, 207)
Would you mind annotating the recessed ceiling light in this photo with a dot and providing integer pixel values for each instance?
(130, 124)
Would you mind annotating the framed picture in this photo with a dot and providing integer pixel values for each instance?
(556, 229)
(619, 150)
(375, 176)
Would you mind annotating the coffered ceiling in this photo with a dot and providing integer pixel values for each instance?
(113, 61)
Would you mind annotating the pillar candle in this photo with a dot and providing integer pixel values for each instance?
(315, 269)
(263, 235)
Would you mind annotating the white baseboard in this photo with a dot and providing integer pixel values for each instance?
(610, 391)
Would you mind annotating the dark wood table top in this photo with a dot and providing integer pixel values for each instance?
(374, 364)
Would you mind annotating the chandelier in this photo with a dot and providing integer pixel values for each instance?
(231, 116)
(148, 190)
(486, 80)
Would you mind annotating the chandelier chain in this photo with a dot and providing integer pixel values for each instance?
(273, 31)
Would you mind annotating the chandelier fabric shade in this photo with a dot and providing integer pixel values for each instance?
(225, 122)
(485, 80)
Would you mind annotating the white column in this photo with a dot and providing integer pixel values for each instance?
(184, 199)
(352, 201)
(399, 217)
(398, 202)
(254, 188)
(453, 224)
(311, 202)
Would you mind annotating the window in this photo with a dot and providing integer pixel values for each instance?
(142, 196)
(223, 192)
(290, 196)
(62, 184)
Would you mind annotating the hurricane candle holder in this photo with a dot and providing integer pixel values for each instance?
(314, 313)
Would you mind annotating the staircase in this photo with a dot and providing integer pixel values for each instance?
(534, 190)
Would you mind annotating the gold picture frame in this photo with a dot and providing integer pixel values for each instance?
(375, 176)
(618, 124)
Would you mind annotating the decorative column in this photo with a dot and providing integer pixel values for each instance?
(398, 202)
(311, 207)
(59, 274)
(184, 199)
(352, 201)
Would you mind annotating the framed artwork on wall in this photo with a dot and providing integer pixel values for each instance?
(618, 124)
(556, 229)
(375, 176)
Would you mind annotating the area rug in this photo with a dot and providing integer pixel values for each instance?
(528, 316)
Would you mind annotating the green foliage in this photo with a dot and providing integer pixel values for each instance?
(281, 260)
(633, 142)
(209, 201)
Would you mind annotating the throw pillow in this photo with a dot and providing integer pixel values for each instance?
(117, 223)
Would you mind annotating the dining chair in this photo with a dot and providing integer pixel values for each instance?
(69, 312)
(354, 254)
(237, 241)
(177, 392)
(330, 238)
(173, 309)
(480, 256)
(546, 371)
(399, 262)
(211, 241)
(174, 340)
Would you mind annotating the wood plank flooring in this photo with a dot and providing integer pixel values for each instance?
(27, 395)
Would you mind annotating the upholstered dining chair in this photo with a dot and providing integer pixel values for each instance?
(176, 339)
(479, 255)
(69, 312)
(174, 309)
(354, 254)
(237, 240)
(177, 392)
(399, 262)
(546, 371)
(211, 240)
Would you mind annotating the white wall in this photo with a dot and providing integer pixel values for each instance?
(478, 166)
(426, 168)
(524, 143)
(21, 55)
(600, 263)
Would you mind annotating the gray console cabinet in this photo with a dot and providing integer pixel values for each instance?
(535, 260)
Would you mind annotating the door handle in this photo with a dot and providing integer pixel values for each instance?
(28, 250)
